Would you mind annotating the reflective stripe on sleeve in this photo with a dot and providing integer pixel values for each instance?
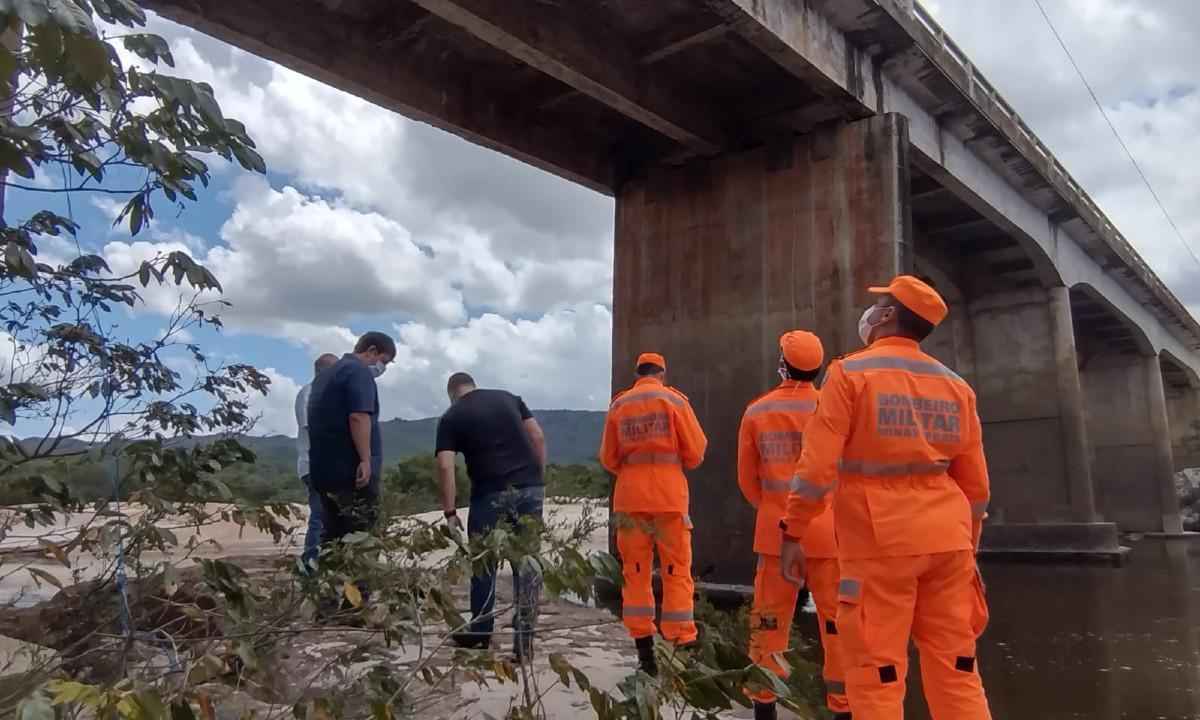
(651, 458)
(866, 467)
(917, 367)
(783, 406)
(677, 615)
(808, 490)
(775, 485)
(647, 395)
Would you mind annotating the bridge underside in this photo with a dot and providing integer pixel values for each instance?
(762, 184)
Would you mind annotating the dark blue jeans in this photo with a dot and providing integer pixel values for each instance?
(312, 537)
(488, 511)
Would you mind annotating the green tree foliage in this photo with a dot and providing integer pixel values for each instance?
(75, 112)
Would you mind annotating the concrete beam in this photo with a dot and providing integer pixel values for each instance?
(806, 44)
(333, 49)
(557, 40)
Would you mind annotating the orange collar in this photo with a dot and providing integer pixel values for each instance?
(897, 341)
(648, 381)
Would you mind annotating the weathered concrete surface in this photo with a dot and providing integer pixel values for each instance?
(714, 262)
(1017, 383)
(1125, 425)
(1183, 412)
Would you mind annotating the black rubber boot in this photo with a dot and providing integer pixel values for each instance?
(645, 651)
(765, 711)
(843, 716)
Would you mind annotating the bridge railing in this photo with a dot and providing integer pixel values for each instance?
(978, 88)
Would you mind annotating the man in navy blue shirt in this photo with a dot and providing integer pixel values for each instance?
(345, 452)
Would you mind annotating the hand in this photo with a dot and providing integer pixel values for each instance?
(791, 562)
(362, 476)
(454, 522)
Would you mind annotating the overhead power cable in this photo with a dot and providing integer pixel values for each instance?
(1104, 113)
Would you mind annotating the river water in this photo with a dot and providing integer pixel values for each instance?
(1096, 642)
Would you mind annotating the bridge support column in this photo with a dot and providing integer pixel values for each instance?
(1032, 406)
(714, 260)
(1164, 465)
(1128, 425)
(1183, 412)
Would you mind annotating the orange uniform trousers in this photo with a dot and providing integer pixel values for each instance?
(771, 623)
(935, 598)
(638, 534)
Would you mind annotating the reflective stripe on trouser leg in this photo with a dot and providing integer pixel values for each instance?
(636, 547)
(770, 619)
(950, 600)
(822, 579)
(674, 539)
(876, 601)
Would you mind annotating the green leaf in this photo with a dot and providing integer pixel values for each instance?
(13, 158)
(38, 573)
(31, 12)
(249, 159)
(181, 710)
(561, 667)
(207, 104)
(87, 56)
(137, 214)
(71, 17)
(150, 47)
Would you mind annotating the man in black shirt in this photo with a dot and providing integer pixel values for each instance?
(505, 451)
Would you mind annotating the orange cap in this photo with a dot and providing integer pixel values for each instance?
(916, 296)
(651, 359)
(802, 350)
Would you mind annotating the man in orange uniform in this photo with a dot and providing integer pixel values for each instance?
(651, 435)
(898, 436)
(769, 443)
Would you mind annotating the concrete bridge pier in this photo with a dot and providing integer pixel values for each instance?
(1133, 463)
(1031, 403)
(716, 259)
(1182, 390)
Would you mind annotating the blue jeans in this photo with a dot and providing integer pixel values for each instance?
(505, 508)
(312, 537)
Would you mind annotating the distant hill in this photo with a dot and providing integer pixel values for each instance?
(573, 436)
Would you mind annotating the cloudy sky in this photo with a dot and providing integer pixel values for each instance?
(476, 262)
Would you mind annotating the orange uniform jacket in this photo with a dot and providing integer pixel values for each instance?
(898, 434)
(769, 443)
(651, 435)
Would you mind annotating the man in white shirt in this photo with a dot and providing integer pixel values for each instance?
(312, 538)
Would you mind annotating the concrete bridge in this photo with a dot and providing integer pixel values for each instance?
(770, 159)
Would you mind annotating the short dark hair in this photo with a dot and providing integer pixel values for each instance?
(325, 360)
(795, 373)
(649, 369)
(910, 324)
(459, 379)
(378, 340)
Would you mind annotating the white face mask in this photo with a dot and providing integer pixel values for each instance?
(377, 369)
(865, 326)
